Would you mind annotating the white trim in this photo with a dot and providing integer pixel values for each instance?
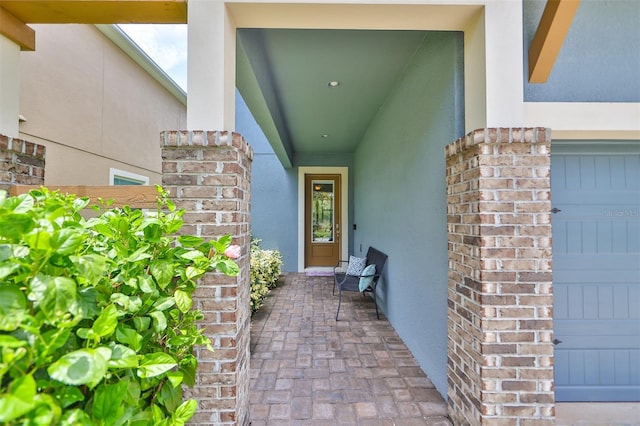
(344, 190)
(9, 87)
(113, 173)
(585, 120)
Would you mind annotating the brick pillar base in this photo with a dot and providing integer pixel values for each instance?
(21, 162)
(208, 174)
(500, 365)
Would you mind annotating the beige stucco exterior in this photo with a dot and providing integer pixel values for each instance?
(93, 107)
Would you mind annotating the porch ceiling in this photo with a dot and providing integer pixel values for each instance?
(293, 70)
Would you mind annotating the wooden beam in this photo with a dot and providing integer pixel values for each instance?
(134, 196)
(98, 11)
(552, 30)
(17, 31)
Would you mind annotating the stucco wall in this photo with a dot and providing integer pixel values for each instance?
(92, 107)
(400, 203)
(596, 63)
(274, 190)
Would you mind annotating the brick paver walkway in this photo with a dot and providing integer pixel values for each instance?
(306, 368)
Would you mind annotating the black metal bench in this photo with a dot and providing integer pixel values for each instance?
(346, 282)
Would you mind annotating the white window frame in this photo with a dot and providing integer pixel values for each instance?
(114, 173)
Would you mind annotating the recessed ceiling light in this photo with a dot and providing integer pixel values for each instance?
(324, 136)
(334, 83)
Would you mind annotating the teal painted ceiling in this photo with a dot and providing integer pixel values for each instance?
(284, 76)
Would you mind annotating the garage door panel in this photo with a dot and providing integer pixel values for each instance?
(583, 334)
(593, 275)
(596, 260)
(595, 235)
(606, 370)
(596, 301)
(613, 262)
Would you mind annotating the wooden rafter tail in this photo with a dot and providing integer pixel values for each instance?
(17, 31)
(552, 30)
(135, 196)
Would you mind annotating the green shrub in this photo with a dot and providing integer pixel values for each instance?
(265, 271)
(96, 318)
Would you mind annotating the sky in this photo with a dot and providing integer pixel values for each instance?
(166, 44)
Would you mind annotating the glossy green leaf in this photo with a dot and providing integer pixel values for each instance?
(80, 203)
(189, 240)
(39, 239)
(123, 357)
(12, 307)
(87, 302)
(140, 254)
(19, 400)
(76, 417)
(107, 401)
(188, 367)
(128, 336)
(11, 342)
(141, 323)
(175, 378)
(91, 268)
(19, 204)
(193, 273)
(55, 339)
(183, 300)
(103, 229)
(66, 240)
(164, 303)
(221, 244)
(7, 268)
(170, 397)
(192, 255)
(146, 284)
(53, 295)
(159, 321)
(155, 364)
(86, 333)
(132, 395)
(227, 267)
(68, 395)
(14, 226)
(185, 411)
(153, 232)
(163, 272)
(47, 410)
(81, 367)
(106, 323)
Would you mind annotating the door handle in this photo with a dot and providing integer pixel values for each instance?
(556, 341)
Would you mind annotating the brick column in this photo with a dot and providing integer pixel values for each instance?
(208, 174)
(21, 162)
(500, 364)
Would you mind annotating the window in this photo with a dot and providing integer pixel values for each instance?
(121, 177)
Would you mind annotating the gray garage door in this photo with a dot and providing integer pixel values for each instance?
(596, 266)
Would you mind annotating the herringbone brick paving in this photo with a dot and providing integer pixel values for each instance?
(306, 368)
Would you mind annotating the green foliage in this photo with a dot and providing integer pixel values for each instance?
(265, 270)
(96, 325)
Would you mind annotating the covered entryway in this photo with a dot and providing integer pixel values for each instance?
(596, 260)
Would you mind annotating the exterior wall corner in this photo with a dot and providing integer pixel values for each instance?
(500, 297)
(208, 174)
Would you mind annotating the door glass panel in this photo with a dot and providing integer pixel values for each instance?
(322, 208)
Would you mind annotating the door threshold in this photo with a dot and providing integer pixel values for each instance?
(319, 271)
